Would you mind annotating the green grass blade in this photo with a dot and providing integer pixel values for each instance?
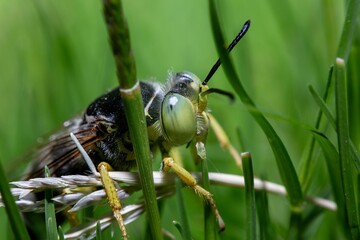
(307, 165)
(355, 157)
(50, 218)
(16, 222)
(347, 175)
(324, 109)
(249, 197)
(179, 228)
(284, 164)
(185, 226)
(354, 86)
(133, 104)
(348, 30)
(98, 231)
(209, 218)
(333, 166)
(262, 208)
(61, 233)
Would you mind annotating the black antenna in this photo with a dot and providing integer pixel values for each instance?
(219, 91)
(230, 47)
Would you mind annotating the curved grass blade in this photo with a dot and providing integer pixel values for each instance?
(355, 157)
(249, 196)
(284, 164)
(15, 220)
(322, 106)
(133, 104)
(331, 119)
(61, 233)
(333, 166)
(307, 164)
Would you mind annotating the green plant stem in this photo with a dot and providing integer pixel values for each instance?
(249, 196)
(262, 209)
(16, 222)
(50, 219)
(342, 121)
(344, 147)
(133, 105)
(98, 231)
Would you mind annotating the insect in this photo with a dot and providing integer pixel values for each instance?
(176, 114)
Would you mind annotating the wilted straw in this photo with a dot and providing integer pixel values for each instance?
(74, 184)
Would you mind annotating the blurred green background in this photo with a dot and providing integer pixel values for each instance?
(55, 59)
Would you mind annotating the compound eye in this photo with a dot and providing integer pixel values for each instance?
(181, 85)
(178, 119)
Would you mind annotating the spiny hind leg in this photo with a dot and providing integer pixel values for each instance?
(169, 163)
(112, 196)
(108, 185)
(224, 140)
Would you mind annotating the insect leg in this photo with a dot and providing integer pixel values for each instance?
(224, 140)
(112, 196)
(108, 185)
(188, 179)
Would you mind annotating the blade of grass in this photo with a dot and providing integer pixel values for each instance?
(15, 220)
(262, 209)
(307, 165)
(295, 229)
(133, 104)
(323, 107)
(179, 228)
(344, 147)
(209, 218)
(355, 157)
(185, 227)
(333, 166)
(352, 162)
(284, 164)
(249, 196)
(50, 219)
(354, 86)
(61, 233)
(348, 30)
(98, 231)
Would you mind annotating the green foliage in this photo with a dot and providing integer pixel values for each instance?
(16, 223)
(55, 59)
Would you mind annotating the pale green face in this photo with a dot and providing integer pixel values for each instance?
(178, 119)
(179, 109)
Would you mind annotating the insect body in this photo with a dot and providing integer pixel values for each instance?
(175, 115)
